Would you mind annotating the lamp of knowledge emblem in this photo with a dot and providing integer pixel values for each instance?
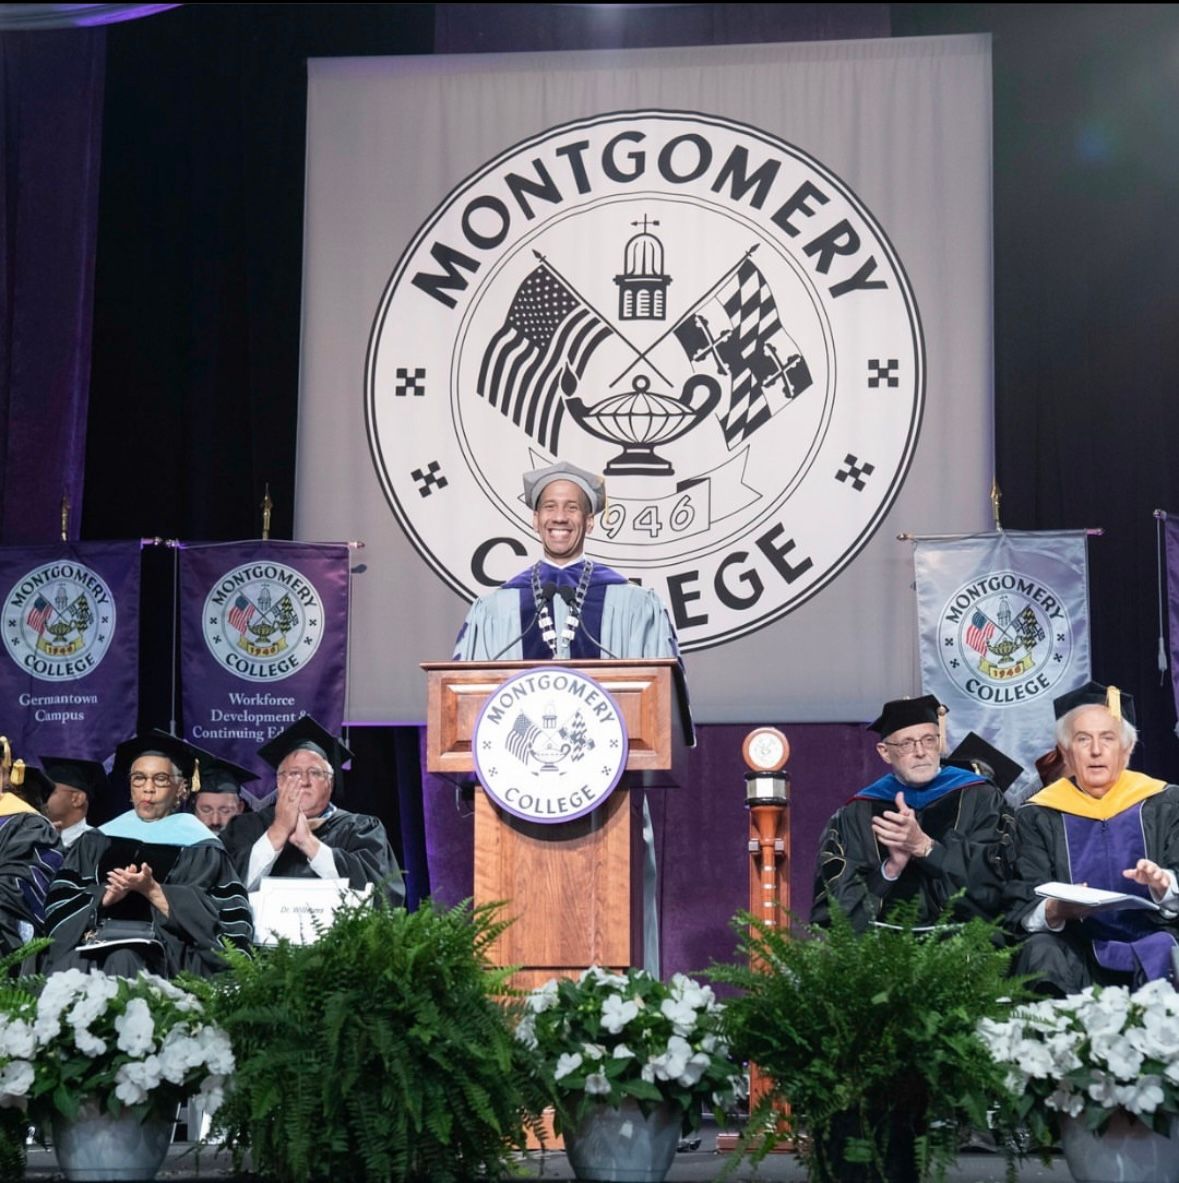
(263, 621)
(1006, 639)
(702, 312)
(549, 745)
(59, 619)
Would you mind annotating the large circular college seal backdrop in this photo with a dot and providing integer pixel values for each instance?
(705, 313)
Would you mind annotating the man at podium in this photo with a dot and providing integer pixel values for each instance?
(565, 605)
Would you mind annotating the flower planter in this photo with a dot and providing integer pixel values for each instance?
(621, 1145)
(899, 1164)
(1126, 1152)
(95, 1147)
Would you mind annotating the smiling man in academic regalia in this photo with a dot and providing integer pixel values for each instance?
(152, 888)
(303, 834)
(1107, 827)
(921, 832)
(565, 605)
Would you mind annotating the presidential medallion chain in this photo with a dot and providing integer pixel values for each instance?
(544, 615)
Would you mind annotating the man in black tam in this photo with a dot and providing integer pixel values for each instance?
(922, 832)
(303, 834)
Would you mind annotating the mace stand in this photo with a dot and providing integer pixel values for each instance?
(767, 797)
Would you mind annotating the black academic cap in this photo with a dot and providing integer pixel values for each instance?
(157, 743)
(305, 734)
(30, 784)
(975, 754)
(218, 775)
(88, 776)
(1119, 703)
(905, 712)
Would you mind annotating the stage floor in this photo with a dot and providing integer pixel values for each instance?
(690, 1166)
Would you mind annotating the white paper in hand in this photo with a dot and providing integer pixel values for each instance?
(1094, 898)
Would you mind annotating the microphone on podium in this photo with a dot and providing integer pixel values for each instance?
(569, 595)
(546, 597)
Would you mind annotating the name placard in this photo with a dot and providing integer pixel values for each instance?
(298, 909)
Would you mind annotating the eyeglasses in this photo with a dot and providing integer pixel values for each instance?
(315, 775)
(927, 743)
(161, 780)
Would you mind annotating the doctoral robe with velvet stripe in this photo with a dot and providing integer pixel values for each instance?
(629, 621)
(206, 899)
(1066, 836)
(30, 857)
(971, 826)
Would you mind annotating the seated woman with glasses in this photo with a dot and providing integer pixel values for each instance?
(153, 888)
(303, 834)
(923, 831)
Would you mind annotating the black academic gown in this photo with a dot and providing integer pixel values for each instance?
(30, 856)
(358, 843)
(1064, 962)
(972, 829)
(206, 902)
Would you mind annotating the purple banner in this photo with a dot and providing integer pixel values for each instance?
(1171, 537)
(69, 677)
(263, 641)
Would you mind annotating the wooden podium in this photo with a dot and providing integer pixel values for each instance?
(573, 888)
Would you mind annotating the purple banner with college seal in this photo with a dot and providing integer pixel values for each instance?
(263, 641)
(69, 678)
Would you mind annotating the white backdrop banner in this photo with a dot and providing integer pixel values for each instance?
(751, 285)
(1004, 625)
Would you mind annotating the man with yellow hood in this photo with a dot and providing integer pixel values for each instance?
(1106, 827)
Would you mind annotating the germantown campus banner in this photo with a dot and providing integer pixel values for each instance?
(741, 281)
(1004, 626)
(69, 677)
(264, 641)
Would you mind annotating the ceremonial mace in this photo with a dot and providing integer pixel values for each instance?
(767, 796)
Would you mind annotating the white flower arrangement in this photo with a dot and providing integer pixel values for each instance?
(1090, 1055)
(606, 1036)
(121, 1042)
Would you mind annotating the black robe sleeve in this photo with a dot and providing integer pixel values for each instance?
(30, 857)
(972, 832)
(206, 902)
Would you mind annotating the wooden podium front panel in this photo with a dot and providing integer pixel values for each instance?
(567, 886)
(574, 889)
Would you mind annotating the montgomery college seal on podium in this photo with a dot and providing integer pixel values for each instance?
(549, 745)
(705, 313)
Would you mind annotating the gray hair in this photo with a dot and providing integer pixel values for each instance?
(1064, 729)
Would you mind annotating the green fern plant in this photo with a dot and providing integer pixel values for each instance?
(378, 1053)
(872, 1039)
(18, 996)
